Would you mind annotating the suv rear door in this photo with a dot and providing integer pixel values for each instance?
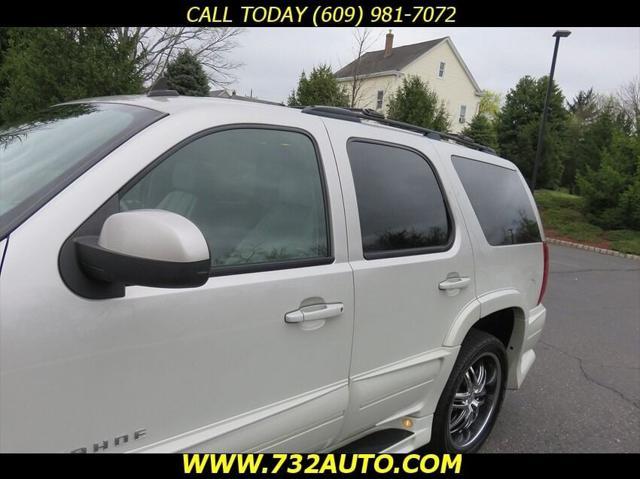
(413, 271)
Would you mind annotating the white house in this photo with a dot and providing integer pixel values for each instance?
(437, 62)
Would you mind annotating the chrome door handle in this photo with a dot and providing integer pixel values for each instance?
(314, 312)
(454, 283)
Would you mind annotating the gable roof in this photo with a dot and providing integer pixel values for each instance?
(375, 62)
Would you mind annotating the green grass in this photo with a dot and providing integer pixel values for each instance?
(627, 241)
(563, 217)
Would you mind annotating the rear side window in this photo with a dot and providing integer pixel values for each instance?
(400, 203)
(500, 202)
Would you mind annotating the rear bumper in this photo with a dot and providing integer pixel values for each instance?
(526, 356)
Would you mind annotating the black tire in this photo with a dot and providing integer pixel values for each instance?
(477, 348)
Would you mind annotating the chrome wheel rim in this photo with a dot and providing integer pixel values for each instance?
(474, 401)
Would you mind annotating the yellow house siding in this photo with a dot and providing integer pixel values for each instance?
(368, 93)
(455, 88)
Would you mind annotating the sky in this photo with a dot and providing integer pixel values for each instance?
(603, 58)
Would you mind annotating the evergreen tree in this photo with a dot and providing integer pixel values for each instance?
(320, 88)
(43, 66)
(611, 189)
(482, 130)
(518, 125)
(186, 75)
(592, 126)
(584, 105)
(414, 102)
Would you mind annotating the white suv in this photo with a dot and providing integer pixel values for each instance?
(184, 274)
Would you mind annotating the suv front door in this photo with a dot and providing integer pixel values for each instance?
(238, 364)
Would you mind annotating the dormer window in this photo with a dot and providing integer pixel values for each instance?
(441, 70)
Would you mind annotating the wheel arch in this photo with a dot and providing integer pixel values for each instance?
(500, 313)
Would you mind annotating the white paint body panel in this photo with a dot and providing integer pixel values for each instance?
(216, 368)
(402, 316)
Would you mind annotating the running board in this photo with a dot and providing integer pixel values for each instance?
(378, 441)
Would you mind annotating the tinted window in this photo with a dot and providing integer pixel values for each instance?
(401, 207)
(40, 157)
(500, 201)
(256, 194)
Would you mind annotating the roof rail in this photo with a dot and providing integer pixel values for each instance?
(357, 115)
(163, 93)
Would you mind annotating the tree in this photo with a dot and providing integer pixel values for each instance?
(517, 128)
(414, 102)
(489, 104)
(482, 130)
(584, 106)
(153, 48)
(42, 66)
(4, 46)
(611, 190)
(321, 88)
(363, 41)
(186, 75)
(630, 202)
(592, 126)
(629, 97)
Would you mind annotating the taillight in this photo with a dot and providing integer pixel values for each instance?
(545, 274)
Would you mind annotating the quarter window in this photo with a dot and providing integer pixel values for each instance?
(400, 204)
(500, 201)
(256, 195)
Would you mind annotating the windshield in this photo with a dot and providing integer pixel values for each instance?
(41, 157)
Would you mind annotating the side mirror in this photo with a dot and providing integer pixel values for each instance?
(147, 248)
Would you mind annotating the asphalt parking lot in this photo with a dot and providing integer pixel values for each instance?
(583, 392)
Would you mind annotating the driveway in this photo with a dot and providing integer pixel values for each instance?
(583, 392)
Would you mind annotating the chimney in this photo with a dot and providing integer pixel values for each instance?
(388, 46)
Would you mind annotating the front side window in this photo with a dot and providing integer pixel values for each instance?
(256, 195)
(401, 207)
(500, 202)
(40, 157)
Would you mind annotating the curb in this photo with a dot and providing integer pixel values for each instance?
(593, 249)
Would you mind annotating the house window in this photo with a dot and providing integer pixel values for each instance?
(379, 100)
(463, 113)
(441, 70)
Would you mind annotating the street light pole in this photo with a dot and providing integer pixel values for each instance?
(536, 164)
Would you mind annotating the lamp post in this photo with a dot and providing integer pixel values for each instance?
(536, 164)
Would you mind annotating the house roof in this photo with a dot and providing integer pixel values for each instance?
(375, 62)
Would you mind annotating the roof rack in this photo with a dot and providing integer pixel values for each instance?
(357, 115)
(163, 93)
